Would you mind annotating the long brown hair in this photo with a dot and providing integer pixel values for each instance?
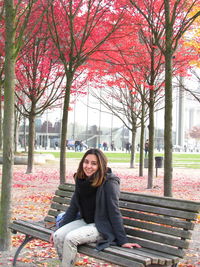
(99, 176)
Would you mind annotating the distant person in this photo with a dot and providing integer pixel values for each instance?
(93, 214)
(127, 147)
(158, 147)
(185, 148)
(105, 146)
(112, 146)
(146, 148)
(35, 144)
(138, 147)
(56, 145)
(76, 144)
(81, 146)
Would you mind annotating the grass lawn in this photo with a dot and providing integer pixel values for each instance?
(191, 160)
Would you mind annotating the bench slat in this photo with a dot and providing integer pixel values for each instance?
(174, 222)
(62, 193)
(31, 232)
(133, 252)
(50, 219)
(172, 258)
(61, 200)
(167, 202)
(164, 239)
(164, 211)
(103, 255)
(59, 207)
(67, 187)
(158, 228)
(157, 246)
(129, 254)
(155, 259)
(40, 226)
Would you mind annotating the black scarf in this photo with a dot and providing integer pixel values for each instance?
(84, 187)
(87, 199)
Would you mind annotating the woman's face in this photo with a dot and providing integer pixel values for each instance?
(90, 164)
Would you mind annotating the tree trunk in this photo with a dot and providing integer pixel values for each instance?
(16, 133)
(151, 141)
(31, 140)
(141, 149)
(8, 126)
(132, 160)
(168, 105)
(64, 130)
(24, 139)
(1, 121)
(151, 124)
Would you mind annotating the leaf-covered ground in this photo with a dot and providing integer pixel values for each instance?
(32, 195)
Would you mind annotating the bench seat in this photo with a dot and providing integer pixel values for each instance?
(161, 225)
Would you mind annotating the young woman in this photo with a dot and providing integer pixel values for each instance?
(93, 214)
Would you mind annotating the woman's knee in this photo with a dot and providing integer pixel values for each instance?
(72, 239)
(58, 237)
(60, 233)
(82, 235)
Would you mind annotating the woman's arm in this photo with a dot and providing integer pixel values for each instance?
(71, 213)
(115, 217)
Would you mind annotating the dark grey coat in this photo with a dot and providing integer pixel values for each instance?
(108, 219)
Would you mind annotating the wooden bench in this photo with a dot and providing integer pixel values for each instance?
(162, 226)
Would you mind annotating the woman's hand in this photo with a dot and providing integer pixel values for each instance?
(131, 245)
(51, 239)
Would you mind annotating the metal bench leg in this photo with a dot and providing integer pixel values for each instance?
(26, 240)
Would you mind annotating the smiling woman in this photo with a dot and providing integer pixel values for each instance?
(93, 214)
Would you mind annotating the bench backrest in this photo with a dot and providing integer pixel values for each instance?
(159, 223)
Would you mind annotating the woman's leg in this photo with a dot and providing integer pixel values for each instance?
(82, 235)
(60, 234)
